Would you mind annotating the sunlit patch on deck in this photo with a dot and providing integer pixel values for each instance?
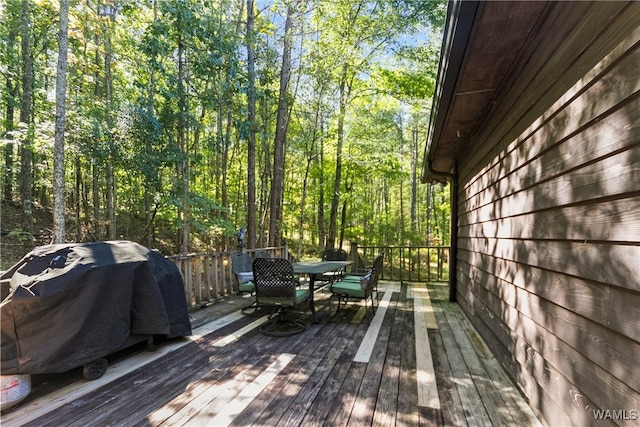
(424, 318)
(369, 341)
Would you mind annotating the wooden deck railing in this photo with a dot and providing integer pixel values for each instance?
(208, 277)
(407, 263)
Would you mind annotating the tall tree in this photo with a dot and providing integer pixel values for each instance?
(59, 232)
(150, 113)
(414, 180)
(251, 132)
(182, 137)
(109, 10)
(344, 92)
(9, 57)
(26, 172)
(279, 149)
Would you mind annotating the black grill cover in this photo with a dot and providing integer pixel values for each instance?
(70, 304)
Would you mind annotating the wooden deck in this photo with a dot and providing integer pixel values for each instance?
(352, 368)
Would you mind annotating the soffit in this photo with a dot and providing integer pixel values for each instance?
(496, 35)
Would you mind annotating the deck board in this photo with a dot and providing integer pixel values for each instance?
(386, 407)
(424, 318)
(407, 412)
(228, 373)
(319, 409)
(365, 403)
(473, 404)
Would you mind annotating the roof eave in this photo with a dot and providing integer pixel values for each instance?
(460, 18)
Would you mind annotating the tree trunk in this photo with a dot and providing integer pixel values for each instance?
(311, 155)
(97, 160)
(111, 202)
(26, 170)
(343, 221)
(322, 238)
(86, 212)
(225, 162)
(59, 231)
(148, 188)
(111, 181)
(251, 112)
(385, 195)
(414, 182)
(433, 218)
(220, 153)
(303, 205)
(8, 148)
(95, 186)
(11, 92)
(279, 149)
(182, 142)
(335, 201)
(79, 197)
(263, 200)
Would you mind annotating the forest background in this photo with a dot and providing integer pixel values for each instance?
(175, 123)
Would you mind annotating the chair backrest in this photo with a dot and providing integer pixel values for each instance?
(261, 253)
(273, 278)
(374, 275)
(241, 266)
(334, 255)
(241, 262)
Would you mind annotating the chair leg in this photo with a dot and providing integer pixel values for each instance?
(253, 307)
(273, 327)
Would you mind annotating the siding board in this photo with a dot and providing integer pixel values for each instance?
(541, 321)
(527, 164)
(548, 211)
(548, 359)
(546, 408)
(615, 176)
(588, 299)
(580, 259)
(611, 220)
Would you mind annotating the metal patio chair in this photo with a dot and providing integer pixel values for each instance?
(242, 268)
(276, 287)
(333, 255)
(359, 288)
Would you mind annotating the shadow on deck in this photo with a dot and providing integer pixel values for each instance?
(418, 361)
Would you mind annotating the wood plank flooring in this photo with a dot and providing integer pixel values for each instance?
(416, 361)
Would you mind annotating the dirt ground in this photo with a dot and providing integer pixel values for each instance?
(13, 243)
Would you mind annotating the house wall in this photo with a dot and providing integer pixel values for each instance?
(548, 260)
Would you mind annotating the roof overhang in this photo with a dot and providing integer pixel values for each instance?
(481, 43)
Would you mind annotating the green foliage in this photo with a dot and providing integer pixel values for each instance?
(401, 83)
(384, 53)
(20, 235)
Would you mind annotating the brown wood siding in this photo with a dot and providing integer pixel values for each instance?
(548, 264)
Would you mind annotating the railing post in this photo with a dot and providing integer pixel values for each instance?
(197, 279)
(188, 280)
(216, 274)
(428, 264)
(207, 275)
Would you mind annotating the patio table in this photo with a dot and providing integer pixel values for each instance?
(314, 269)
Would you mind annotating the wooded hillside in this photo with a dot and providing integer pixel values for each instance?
(185, 120)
